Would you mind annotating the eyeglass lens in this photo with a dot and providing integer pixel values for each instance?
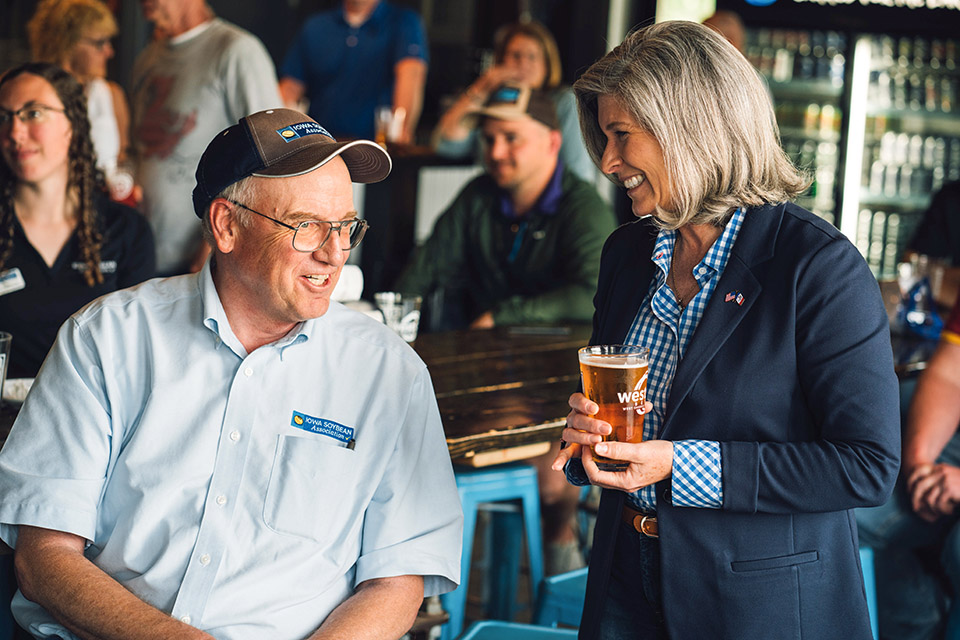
(311, 235)
(33, 114)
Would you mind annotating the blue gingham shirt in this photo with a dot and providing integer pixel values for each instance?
(663, 326)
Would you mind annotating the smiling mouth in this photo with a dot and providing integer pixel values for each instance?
(318, 279)
(634, 181)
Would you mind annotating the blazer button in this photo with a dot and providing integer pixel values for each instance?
(667, 496)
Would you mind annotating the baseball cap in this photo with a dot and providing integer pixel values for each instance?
(280, 143)
(513, 102)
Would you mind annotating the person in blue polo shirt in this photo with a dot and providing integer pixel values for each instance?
(349, 61)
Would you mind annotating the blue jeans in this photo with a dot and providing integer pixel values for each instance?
(632, 609)
(913, 556)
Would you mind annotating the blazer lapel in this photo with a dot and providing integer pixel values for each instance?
(725, 311)
(633, 280)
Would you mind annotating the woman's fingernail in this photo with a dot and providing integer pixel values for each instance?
(601, 448)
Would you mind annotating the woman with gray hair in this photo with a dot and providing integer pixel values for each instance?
(771, 408)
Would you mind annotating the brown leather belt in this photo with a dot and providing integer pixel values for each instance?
(642, 523)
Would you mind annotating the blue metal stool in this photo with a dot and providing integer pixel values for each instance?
(870, 585)
(497, 484)
(560, 600)
(493, 630)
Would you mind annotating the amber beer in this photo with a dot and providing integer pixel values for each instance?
(615, 377)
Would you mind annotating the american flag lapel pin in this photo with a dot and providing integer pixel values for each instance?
(734, 296)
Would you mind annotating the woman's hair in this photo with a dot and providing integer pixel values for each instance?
(57, 26)
(84, 179)
(536, 31)
(708, 109)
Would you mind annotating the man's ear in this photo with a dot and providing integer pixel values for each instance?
(223, 224)
(556, 139)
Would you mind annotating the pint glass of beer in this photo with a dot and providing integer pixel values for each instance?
(615, 377)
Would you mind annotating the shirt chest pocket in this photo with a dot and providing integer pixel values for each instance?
(309, 488)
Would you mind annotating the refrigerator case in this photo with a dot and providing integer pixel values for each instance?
(805, 71)
(904, 140)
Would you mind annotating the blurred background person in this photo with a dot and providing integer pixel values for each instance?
(347, 62)
(938, 237)
(916, 533)
(730, 26)
(524, 53)
(774, 399)
(76, 35)
(200, 75)
(63, 242)
(520, 245)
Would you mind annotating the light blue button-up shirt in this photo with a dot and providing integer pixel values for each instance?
(245, 494)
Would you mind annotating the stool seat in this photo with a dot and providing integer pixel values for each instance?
(500, 483)
(560, 600)
(495, 630)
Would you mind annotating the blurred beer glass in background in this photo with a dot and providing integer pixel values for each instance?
(615, 377)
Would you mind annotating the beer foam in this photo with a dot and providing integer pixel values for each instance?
(614, 362)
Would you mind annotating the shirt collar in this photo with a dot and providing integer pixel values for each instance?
(714, 261)
(547, 204)
(190, 34)
(374, 17)
(215, 318)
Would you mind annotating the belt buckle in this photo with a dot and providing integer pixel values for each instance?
(647, 525)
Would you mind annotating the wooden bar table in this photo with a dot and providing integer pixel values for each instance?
(503, 392)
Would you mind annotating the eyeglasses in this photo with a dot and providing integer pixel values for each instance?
(310, 235)
(97, 43)
(31, 115)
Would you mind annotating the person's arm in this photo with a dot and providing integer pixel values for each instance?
(410, 77)
(452, 126)
(931, 422)
(292, 92)
(440, 260)
(53, 572)
(379, 609)
(121, 111)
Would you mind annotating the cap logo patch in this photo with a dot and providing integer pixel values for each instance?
(302, 129)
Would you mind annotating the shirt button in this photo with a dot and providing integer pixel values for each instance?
(221, 500)
(235, 436)
(205, 559)
(248, 372)
(185, 619)
(702, 270)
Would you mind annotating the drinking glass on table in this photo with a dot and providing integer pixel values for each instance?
(615, 377)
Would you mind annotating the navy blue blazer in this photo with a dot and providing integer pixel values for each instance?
(795, 379)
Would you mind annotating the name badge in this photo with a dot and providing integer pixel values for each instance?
(11, 280)
(323, 427)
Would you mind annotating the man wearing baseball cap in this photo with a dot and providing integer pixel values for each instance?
(231, 454)
(520, 245)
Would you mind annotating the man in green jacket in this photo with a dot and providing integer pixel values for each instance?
(521, 243)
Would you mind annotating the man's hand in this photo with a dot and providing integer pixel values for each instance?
(934, 490)
(483, 321)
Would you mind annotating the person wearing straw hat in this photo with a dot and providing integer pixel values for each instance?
(231, 454)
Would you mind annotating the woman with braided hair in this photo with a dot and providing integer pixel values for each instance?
(62, 241)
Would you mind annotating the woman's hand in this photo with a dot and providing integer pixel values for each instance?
(649, 462)
(489, 80)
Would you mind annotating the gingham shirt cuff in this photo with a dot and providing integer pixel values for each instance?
(697, 474)
(575, 473)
